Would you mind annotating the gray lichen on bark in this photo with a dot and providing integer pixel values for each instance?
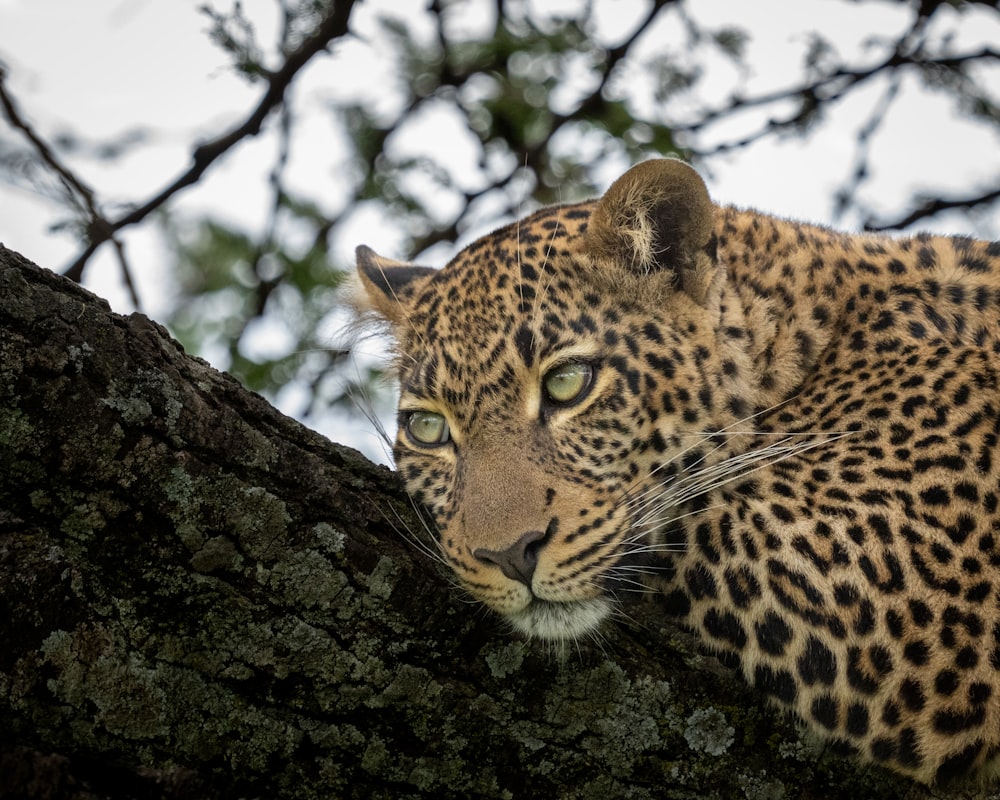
(221, 603)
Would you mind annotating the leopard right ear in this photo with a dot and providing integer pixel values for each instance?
(387, 286)
(657, 218)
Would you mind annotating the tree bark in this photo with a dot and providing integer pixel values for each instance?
(202, 598)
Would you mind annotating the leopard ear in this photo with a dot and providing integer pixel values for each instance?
(387, 286)
(658, 217)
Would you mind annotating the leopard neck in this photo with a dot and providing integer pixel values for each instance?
(785, 293)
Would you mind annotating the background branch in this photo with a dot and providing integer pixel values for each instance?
(931, 207)
(81, 192)
(333, 26)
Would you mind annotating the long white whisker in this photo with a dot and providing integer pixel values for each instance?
(748, 463)
(688, 486)
(653, 511)
(652, 515)
(705, 436)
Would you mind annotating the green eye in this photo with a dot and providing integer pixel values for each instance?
(426, 427)
(568, 382)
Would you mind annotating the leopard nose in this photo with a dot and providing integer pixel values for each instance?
(518, 561)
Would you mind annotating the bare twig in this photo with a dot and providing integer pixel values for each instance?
(126, 271)
(331, 27)
(836, 84)
(844, 196)
(932, 207)
(83, 194)
(78, 192)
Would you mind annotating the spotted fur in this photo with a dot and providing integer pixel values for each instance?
(789, 432)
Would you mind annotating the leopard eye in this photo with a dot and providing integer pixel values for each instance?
(426, 428)
(568, 382)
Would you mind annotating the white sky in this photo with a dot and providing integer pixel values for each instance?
(104, 67)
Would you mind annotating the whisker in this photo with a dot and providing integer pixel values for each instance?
(658, 511)
(731, 430)
(357, 393)
(741, 466)
(693, 484)
(654, 511)
(433, 549)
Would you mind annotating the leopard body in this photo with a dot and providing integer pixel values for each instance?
(789, 433)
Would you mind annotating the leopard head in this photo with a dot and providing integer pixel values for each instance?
(552, 376)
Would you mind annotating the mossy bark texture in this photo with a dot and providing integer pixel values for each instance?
(199, 597)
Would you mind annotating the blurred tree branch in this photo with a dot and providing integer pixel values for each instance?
(100, 229)
(934, 206)
(812, 95)
(77, 192)
(331, 27)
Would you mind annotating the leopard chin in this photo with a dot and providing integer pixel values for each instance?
(552, 621)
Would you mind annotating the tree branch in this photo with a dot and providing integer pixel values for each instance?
(835, 85)
(932, 207)
(332, 27)
(81, 192)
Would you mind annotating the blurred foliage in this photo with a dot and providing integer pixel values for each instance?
(451, 117)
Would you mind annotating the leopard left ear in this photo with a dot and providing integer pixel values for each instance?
(658, 217)
(388, 286)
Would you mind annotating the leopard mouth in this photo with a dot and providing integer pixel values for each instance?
(559, 621)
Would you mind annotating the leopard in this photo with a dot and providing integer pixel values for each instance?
(783, 434)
